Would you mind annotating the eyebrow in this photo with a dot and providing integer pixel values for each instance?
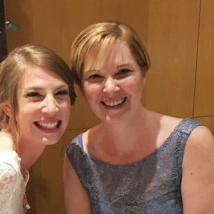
(32, 88)
(119, 66)
(94, 71)
(125, 65)
(90, 72)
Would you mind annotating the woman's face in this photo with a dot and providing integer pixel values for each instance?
(43, 106)
(114, 89)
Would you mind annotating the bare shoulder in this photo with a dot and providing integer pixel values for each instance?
(200, 132)
(6, 141)
(169, 121)
(199, 151)
(167, 125)
(201, 139)
(164, 121)
(198, 172)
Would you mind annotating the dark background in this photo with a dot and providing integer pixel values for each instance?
(3, 49)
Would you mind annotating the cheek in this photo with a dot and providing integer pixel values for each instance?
(27, 110)
(138, 86)
(134, 90)
(24, 121)
(91, 92)
(24, 116)
(66, 109)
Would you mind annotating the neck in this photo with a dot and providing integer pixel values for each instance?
(125, 141)
(129, 122)
(123, 136)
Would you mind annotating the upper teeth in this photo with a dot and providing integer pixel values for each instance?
(114, 102)
(48, 125)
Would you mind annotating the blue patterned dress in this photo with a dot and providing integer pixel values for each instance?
(149, 186)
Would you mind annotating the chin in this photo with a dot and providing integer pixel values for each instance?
(46, 141)
(50, 140)
(111, 118)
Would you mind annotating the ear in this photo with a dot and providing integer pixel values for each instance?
(6, 108)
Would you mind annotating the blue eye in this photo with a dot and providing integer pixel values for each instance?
(122, 73)
(95, 78)
(62, 94)
(34, 96)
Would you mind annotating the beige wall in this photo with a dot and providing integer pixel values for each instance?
(178, 36)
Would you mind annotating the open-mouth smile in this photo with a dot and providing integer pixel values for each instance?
(114, 103)
(48, 125)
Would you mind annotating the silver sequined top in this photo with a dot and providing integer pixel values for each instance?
(149, 186)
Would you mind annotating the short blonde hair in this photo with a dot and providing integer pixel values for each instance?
(102, 36)
(15, 65)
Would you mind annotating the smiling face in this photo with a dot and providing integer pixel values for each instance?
(43, 106)
(114, 88)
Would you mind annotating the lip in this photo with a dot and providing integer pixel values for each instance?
(48, 126)
(114, 103)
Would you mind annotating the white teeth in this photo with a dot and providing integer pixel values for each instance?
(48, 125)
(113, 103)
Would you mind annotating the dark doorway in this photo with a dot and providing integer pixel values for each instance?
(3, 47)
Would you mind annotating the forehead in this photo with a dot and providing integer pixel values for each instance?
(117, 54)
(38, 76)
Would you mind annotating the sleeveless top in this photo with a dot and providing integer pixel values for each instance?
(12, 184)
(148, 186)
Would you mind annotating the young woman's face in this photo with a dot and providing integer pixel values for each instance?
(113, 89)
(43, 106)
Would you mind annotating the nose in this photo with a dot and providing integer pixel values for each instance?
(50, 106)
(110, 85)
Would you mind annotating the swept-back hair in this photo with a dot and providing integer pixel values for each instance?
(101, 37)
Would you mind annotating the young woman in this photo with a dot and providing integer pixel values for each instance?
(135, 161)
(36, 93)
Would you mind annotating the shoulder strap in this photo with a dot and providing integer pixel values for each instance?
(181, 136)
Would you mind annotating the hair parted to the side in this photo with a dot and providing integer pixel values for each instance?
(101, 36)
(15, 65)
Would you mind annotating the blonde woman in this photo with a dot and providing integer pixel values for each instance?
(135, 160)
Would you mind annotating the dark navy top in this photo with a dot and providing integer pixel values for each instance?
(149, 186)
